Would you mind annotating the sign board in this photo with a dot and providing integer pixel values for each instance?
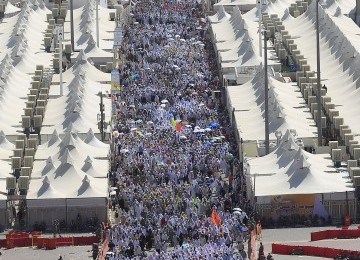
(118, 37)
(60, 33)
(115, 81)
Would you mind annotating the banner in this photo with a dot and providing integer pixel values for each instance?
(115, 81)
(285, 205)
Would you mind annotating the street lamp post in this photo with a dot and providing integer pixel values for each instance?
(72, 25)
(97, 23)
(318, 97)
(266, 83)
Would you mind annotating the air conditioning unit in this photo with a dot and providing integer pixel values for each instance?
(31, 98)
(32, 143)
(37, 121)
(352, 147)
(336, 157)
(16, 162)
(343, 132)
(356, 152)
(37, 78)
(30, 104)
(347, 138)
(29, 152)
(338, 121)
(40, 111)
(10, 183)
(23, 182)
(40, 67)
(28, 161)
(43, 97)
(26, 122)
(44, 91)
(350, 164)
(35, 84)
(19, 144)
(25, 171)
(333, 145)
(21, 137)
(41, 103)
(18, 153)
(354, 172)
(333, 113)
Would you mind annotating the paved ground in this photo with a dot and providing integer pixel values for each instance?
(288, 236)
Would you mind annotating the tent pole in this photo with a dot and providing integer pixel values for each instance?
(267, 142)
(260, 17)
(72, 25)
(318, 96)
(97, 23)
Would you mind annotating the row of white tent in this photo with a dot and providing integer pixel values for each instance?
(69, 174)
(289, 170)
(286, 110)
(236, 43)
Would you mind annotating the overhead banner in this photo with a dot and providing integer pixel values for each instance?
(118, 38)
(285, 205)
(115, 81)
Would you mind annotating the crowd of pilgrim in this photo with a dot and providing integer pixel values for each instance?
(177, 191)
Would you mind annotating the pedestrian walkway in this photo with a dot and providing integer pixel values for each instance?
(174, 183)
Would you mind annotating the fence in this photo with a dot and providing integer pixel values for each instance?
(310, 250)
(336, 233)
(35, 239)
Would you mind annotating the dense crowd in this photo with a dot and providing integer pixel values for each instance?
(177, 190)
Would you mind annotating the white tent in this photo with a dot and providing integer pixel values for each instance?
(290, 176)
(6, 147)
(220, 16)
(75, 109)
(83, 67)
(243, 5)
(65, 192)
(285, 109)
(339, 51)
(85, 24)
(75, 146)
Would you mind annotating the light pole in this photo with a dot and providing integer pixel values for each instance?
(266, 83)
(97, 23)
(318, 97)
(72, 25)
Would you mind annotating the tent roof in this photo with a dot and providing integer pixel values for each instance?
(291, 170)
(339, 47)
(67, 181)
(220, 16)
(286, 110)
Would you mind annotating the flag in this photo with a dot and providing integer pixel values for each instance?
(115, 86)
(215, 218)
(178, 127)
(173, 122)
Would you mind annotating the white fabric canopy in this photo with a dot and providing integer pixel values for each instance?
(78, 149)
(22, 39)
(220, 16)
(339, 50)
(67, 181)
(286, 110)
(291, 170)
(85, 24)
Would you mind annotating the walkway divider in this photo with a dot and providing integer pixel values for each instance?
(310, 250)
(24, 239)
(335, 233)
